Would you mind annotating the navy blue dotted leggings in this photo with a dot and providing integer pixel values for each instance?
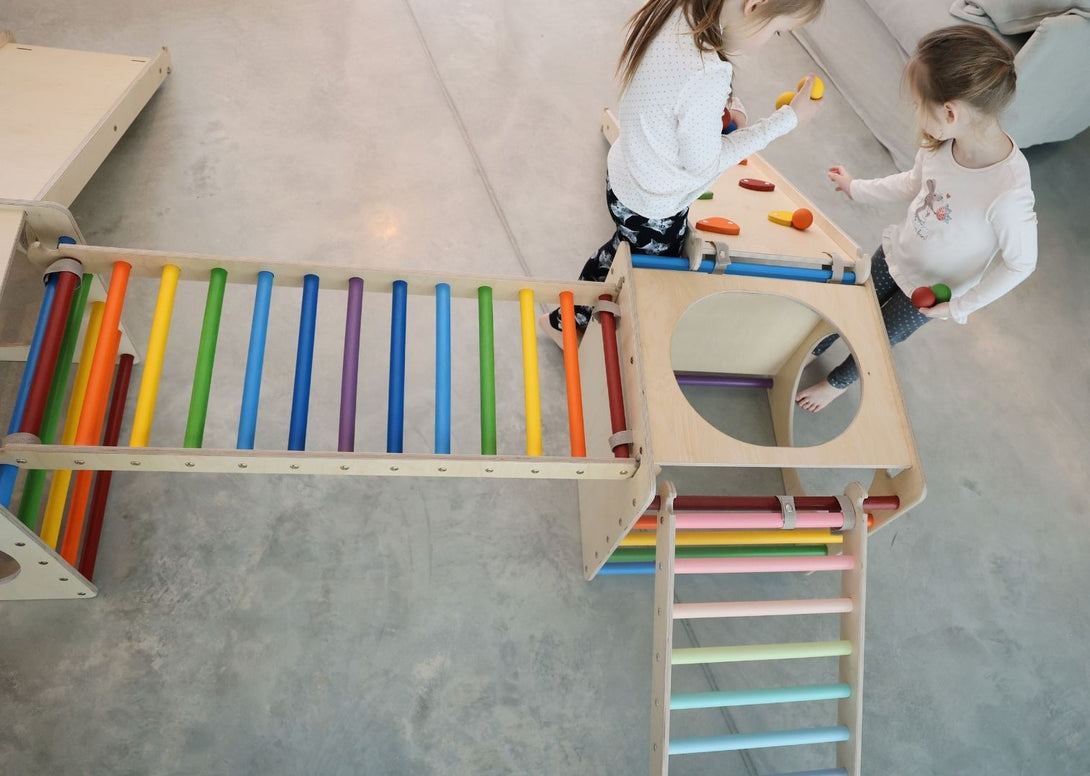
(652, 236)
(898, 313)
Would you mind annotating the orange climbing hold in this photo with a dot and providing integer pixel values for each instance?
(719, 226)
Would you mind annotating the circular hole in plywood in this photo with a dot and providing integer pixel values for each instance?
(9, 568)
(729, 349)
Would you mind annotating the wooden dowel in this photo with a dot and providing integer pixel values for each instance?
(81, 489)
(442, 369)
(487, 348)
(747, 520)
(101, 493)
(153, 363)
(34, 487)
(206, 359)
(762, 565)
(614, 388)
(304, 364)
(762, 608)
(576, 431)
(530, 378)
(350, 367)
(751, 652)
(58, 488)
(727, 538)
(770, 503)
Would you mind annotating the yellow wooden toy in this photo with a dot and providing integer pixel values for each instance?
(819, 88)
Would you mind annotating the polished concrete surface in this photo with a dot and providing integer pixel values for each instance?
(297, 625)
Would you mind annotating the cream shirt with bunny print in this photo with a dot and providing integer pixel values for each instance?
(973, 229)
(670, 148)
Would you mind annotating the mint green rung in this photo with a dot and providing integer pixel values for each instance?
(715, 700)
(739, 654)
(732, 743)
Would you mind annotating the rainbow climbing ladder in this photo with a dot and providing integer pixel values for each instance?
(685, 521)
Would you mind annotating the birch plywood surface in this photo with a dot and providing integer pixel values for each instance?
(745, 334)
(879, 436)
(54, 101)
(750, 209)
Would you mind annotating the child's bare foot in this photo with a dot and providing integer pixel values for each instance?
(818, 396)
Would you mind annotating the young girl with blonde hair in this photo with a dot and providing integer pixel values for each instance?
(676, 77)
(970, 223)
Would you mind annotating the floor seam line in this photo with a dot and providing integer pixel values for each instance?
(464, 131)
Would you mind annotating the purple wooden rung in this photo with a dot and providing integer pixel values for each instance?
(346, 430)
(718, 380)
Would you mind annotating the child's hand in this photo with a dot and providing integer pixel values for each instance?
(938, 311)
(804, 107)
(842, 178)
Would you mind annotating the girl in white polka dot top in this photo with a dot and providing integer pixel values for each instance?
(676, 77)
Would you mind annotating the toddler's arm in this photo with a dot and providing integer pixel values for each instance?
(900, 187)
(702, 149)
(1015, 225)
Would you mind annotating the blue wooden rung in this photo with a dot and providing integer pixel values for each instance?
(813, 274)
(713, 700)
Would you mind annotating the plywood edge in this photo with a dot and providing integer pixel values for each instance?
(852, 629)
(608, 510)
(11, 232)
(611, 128)
(290, 274)
(74, 173)
(663, 629)
(42, 573)
(909, 485)
(781, 400)
(6, 37)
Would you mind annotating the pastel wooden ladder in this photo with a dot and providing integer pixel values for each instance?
(847, 650)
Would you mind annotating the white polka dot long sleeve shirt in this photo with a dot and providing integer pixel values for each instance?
(973, 229)
(670, 148)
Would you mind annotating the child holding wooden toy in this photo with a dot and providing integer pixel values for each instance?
(676, 76)
(970, 230)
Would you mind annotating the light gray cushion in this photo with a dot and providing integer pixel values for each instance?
(907, 22)
(1014, 16)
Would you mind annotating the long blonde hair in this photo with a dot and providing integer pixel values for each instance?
(964, 62)
(703, 19)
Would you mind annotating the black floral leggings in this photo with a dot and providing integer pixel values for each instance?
(898, 313)
(652, 236)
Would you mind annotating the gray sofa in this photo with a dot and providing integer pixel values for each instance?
(863, 45)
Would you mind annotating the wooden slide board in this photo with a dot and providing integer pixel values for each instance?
(63, 112)
(749, 209)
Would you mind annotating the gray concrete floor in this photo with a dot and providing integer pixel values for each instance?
(285, 626)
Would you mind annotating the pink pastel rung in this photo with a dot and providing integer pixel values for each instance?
(762, 565)
(756, 520)
(762, 608)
